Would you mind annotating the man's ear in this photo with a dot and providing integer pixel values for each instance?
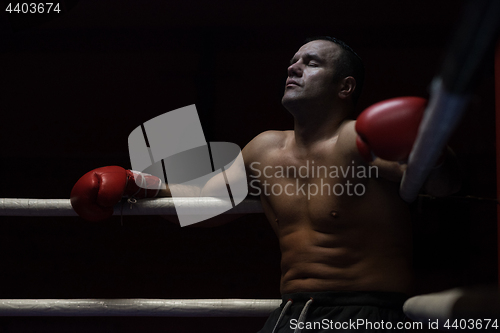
(347, 86)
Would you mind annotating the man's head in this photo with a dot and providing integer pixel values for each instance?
(324, 70)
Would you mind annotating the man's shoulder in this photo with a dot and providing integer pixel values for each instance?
(265, 143)
(347, 136)
(271, 139)
(347, 127)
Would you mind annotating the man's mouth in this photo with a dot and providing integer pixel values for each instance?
(291, 83)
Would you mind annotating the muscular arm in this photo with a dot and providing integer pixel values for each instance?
(187, 191)
(216, 186)
(389, 170)
(252, 152)
(444, 180)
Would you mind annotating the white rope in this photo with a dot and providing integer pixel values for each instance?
(159, 206)
(432, 307)
(462, 304)
(139, 307)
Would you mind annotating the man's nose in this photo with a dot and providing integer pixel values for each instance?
(295, 69)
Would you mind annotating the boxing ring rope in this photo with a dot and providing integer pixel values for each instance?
(451, 90)
(455, 304)
(132, 307)
(158, 206)
(442, 116)
(139, 307)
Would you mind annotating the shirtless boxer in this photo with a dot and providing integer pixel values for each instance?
(345, 255)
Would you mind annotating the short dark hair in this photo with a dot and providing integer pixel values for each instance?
(349, 63)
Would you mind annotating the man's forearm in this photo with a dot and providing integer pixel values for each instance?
(180, 191)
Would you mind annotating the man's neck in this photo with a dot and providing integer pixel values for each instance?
(311, 127)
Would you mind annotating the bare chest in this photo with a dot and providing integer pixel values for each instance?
(316, 191)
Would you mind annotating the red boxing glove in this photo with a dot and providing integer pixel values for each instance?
(389, 128)
(95, 194)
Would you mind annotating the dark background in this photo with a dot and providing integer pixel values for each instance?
(72, 88)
